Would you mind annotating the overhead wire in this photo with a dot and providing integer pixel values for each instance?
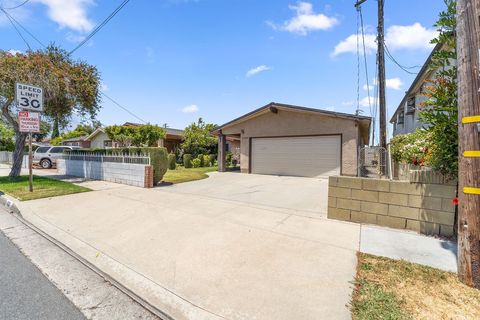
(10, 18)
(18, 6)
(100, 26)
(23, 28)
(16, 29)
(404, 68)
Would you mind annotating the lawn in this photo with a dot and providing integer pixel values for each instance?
(391, 289)
(181, 174)
(42, 187)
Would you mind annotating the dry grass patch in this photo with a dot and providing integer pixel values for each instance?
(392, 289)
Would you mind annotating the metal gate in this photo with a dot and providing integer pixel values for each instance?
(372, 162)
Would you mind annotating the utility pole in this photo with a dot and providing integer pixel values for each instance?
(468, 60)
(381, 79)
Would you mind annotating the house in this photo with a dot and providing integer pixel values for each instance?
(81, 142)
(172, 140)
(282, 139)
(99, 139)
(406, 117)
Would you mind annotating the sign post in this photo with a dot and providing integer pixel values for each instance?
(29, 98)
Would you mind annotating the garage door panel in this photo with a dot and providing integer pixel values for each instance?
(315, 156)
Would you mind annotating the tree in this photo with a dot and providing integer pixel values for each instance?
(6, 138)
(440, 111)
(45, 128)
(139, 136)
(69, 86)
(198, 139)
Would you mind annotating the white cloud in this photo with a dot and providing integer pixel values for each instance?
(70, 14)
(14, 52)
(415, 36)
(104, 87)
(368, 101)
(367, 88)
(305, 20)
(394, 83)
(411, 37)
(257, 70)
(348, 103)
(190, 109)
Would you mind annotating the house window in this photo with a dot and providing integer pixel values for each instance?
(107, 143)
(411, 105)
(401, 118)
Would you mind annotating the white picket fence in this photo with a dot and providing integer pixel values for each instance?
(7, 158)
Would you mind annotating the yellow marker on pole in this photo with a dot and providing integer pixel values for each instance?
(471, 154)
(470, 190)
(471, 119)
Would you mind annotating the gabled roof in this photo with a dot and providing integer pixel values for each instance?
(82, 138)
(170, 131)
(424, 72)
(291, 108)
(94, 133)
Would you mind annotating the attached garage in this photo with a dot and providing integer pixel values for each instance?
(280, 139)
(310, 156)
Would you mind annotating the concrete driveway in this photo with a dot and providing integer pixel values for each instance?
(306, 196)
(231, 246)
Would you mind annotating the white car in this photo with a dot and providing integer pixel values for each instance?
(46, 157)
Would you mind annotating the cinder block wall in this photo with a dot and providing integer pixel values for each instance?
(425, 208)
(138, 175)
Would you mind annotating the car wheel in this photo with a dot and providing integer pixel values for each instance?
(46, 164)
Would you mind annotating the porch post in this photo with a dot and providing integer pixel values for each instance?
(222, 148)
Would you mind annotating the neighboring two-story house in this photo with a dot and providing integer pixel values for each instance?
(406, 116)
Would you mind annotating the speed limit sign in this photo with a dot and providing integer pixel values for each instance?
(29, 97)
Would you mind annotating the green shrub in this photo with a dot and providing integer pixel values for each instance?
(200, 157)
(159, 161)
(187, 160)
(206, 161)
(172, 161)
(212, 159)
(228, 159)
(196, 162)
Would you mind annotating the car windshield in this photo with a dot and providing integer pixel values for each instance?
(42, 150)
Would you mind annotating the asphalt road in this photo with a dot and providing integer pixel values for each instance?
(25, 293)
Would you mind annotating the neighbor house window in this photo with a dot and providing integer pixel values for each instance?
(107, 143)
(411, 105)
(401, 118)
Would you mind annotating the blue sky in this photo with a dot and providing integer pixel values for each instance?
(172, 61)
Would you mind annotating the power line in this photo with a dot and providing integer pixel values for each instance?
(16, 29)
(122, 107)
(389, 55)
(100, 26)
(24, 29)
(18, 6)
(365, 58)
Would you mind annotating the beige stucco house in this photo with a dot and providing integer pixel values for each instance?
(281, 139)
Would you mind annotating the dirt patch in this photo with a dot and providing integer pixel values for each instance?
(392, 289)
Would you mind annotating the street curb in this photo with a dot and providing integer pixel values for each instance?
(11, 208)
(9, 204)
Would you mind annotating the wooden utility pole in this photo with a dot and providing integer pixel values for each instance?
(468, 57)
(381, 79)
(381, 82)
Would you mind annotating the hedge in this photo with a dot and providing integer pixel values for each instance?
(202, 162)
(212, 158)
(172, 161)
(187, 160)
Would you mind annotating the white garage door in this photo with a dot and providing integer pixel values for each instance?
(314, 156)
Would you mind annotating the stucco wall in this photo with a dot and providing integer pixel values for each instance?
(138, 175)
(291, 123)
(97, 141)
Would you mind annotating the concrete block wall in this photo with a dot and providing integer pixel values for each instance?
(425, 208)
(125, 173)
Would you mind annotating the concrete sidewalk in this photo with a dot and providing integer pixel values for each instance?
(198, 258)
